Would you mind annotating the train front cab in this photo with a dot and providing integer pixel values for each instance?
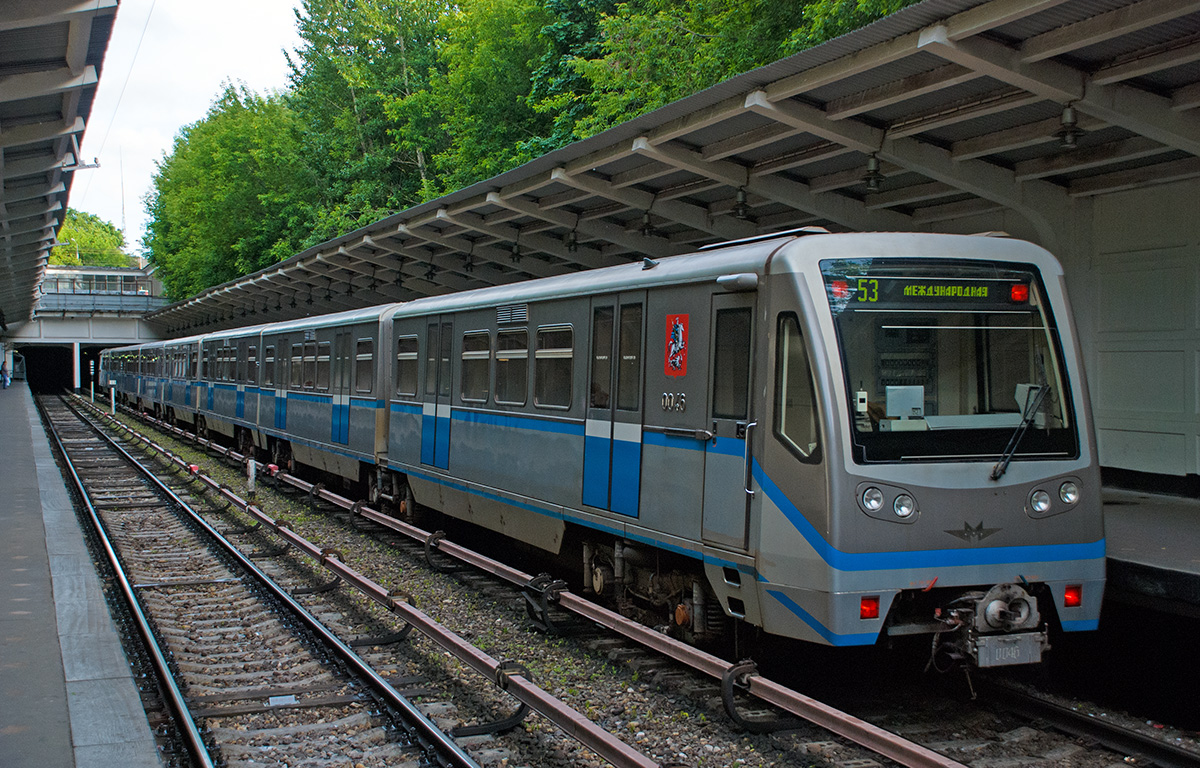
(899, 381)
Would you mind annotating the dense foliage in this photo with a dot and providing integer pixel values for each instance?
(88, 241)
(394, 102)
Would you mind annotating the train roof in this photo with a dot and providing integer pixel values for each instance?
(753, 255)
(733, 258)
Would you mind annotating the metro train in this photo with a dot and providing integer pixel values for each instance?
(833, 437)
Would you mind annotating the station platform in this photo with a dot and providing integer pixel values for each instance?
(1153, 550)
(67, 697)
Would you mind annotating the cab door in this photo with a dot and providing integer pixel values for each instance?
(435, 413)
(727, 455)
(612, 449)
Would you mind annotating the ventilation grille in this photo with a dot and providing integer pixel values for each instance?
(512, 313)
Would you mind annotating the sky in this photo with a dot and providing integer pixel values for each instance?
(187, 51)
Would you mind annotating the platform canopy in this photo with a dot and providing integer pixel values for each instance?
(944, 111)
(51, 52)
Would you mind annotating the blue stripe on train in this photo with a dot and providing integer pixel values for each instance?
(928, 558)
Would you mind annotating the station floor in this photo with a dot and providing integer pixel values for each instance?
(67, 697)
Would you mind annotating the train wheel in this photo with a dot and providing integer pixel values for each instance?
(245, 443)
(405, 504)
(372, 488)
(281, 455)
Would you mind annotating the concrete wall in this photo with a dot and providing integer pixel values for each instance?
(1143, 327)
(108, 331)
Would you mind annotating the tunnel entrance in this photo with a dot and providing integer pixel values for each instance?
(49, 368)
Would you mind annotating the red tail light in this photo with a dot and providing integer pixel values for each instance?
(869, 608)
(1073, 597)
(1020, 293)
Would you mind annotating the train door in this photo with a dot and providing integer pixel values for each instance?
(253, 392)
(340, 389)
(435, 413)
(612, 449)
(727, 454)
(241, 362)
(280, 377)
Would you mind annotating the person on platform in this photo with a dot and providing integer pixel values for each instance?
(4, 374)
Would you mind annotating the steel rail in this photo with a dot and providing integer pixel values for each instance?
(166, 680)
(872, 737)
(1115, 737)
(518, 685)
(427, 729)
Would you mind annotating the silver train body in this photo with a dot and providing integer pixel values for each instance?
(835, 438)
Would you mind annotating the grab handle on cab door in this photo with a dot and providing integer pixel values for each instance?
(746, 455)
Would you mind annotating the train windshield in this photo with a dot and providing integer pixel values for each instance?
(945, 360)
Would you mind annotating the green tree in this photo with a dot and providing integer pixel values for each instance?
(826, 19)
(558, 88)
(658, 51)
(88, 240)
(395, 102)
(482, 96)
(357, 58)
(232, 197)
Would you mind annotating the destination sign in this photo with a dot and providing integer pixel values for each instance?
(955, 291)
(851, 291)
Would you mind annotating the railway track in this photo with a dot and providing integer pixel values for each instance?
(640, 650)
(240, 660)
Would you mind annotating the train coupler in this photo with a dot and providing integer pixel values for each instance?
(998, 628)
(540, 593)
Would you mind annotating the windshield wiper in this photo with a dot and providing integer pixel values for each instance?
(1033, 401)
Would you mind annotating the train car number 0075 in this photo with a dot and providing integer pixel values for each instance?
(674, 401)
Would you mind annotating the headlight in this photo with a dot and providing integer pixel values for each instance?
(1040, 501)
(1068, 492)
(872, 499)
(904, 505)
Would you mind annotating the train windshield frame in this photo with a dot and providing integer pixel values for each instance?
(944, 359)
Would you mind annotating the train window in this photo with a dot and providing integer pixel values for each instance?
(444, 360)
(512, 366)
(476, 359)
(602, 335)
(948, 359)
(795, 398)
(629, 366)
(268, 366)
(731, 361)
(431, 366)
(406, 366)
(323, 350)
(552, 367)
(364, 366)
(321, 363)
(252, 364)
(297, 366)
